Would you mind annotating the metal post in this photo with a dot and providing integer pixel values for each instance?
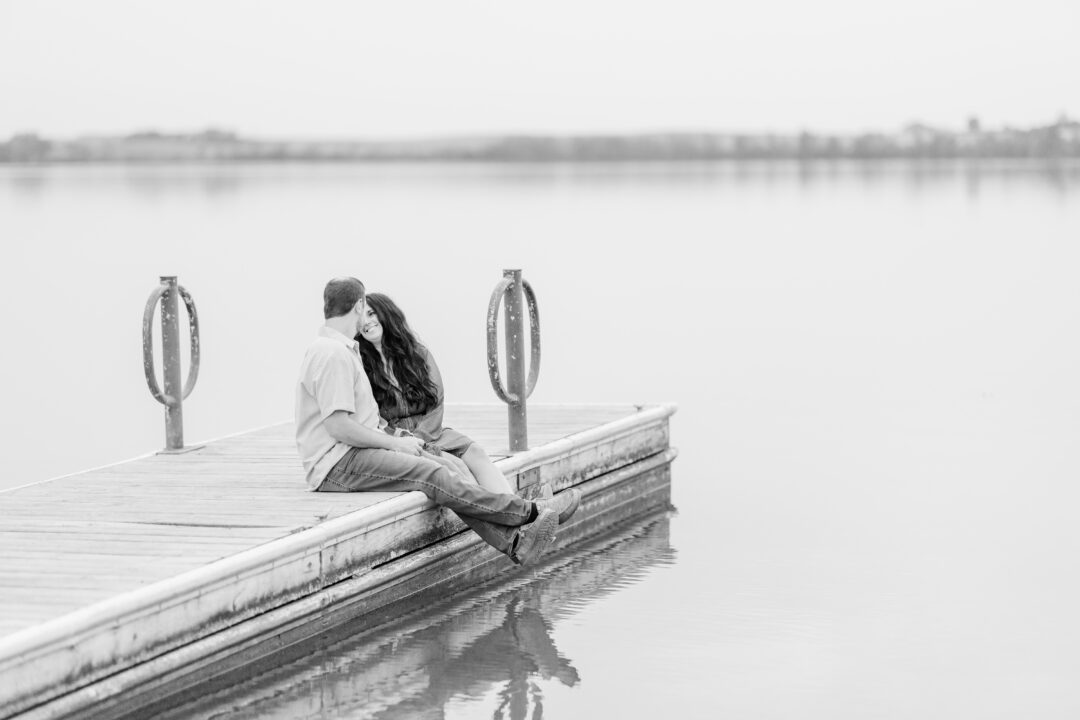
(170, 351)
(511, 289)
(168, 293)
(515, 363)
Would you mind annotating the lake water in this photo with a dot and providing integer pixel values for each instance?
(877, 368)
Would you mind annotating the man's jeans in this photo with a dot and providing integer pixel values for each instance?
(493, 516)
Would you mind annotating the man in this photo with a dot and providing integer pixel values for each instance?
(344, 447)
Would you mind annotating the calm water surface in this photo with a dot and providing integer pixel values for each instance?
(876, 369)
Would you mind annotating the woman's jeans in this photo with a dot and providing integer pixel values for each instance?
(493, 516)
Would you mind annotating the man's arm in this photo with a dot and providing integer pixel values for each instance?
(346, 430)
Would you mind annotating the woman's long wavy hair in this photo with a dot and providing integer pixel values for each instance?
(402, 350)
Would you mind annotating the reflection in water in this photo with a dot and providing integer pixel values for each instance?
(152, 180)
(494, 646)
(27, 185)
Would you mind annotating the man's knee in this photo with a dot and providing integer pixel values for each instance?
(447, 477)
(389, 466)
(460, 468)
(427, 470)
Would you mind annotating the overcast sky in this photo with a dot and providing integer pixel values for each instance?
(349, 68)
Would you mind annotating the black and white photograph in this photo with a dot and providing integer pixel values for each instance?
(482, 360)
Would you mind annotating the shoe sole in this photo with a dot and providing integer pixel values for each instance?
(575, 501)
(543, 533)
(565, 514)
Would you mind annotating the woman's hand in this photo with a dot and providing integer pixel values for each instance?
(408, 445)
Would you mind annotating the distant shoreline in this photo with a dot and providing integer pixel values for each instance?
(1057, 140)
(331, 162)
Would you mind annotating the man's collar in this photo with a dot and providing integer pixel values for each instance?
(329, 332)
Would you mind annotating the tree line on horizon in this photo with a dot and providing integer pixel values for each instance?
(1057, 140)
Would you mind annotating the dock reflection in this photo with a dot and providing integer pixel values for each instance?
(494, 646)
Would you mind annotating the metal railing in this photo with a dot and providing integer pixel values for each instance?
(173, 397)
(513, 289)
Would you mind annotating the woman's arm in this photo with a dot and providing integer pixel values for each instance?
(431, 422)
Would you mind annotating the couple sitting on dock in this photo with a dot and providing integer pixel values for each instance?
(369, 410)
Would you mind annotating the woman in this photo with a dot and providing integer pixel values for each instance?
(408, 387)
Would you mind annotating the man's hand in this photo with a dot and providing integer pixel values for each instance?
(408, 445)
(343, 428)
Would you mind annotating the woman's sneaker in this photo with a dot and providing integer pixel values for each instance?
(536, 537)
(565, 503)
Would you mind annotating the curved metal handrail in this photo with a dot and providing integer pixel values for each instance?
(174, 395)
(148, 344)
(493, 336)
(515, 396)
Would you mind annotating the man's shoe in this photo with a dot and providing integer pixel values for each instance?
(565, 503)
(536, 537)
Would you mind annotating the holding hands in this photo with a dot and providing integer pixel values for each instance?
(408, 445)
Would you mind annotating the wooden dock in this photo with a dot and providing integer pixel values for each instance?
(124, 585)
(497, 637)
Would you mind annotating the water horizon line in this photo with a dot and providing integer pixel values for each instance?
(1060, 139)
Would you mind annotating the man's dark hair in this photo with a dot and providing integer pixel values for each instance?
(341, 295)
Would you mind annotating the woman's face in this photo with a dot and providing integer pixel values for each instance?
(370, 327)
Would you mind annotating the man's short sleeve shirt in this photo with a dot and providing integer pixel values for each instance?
(332, 378)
